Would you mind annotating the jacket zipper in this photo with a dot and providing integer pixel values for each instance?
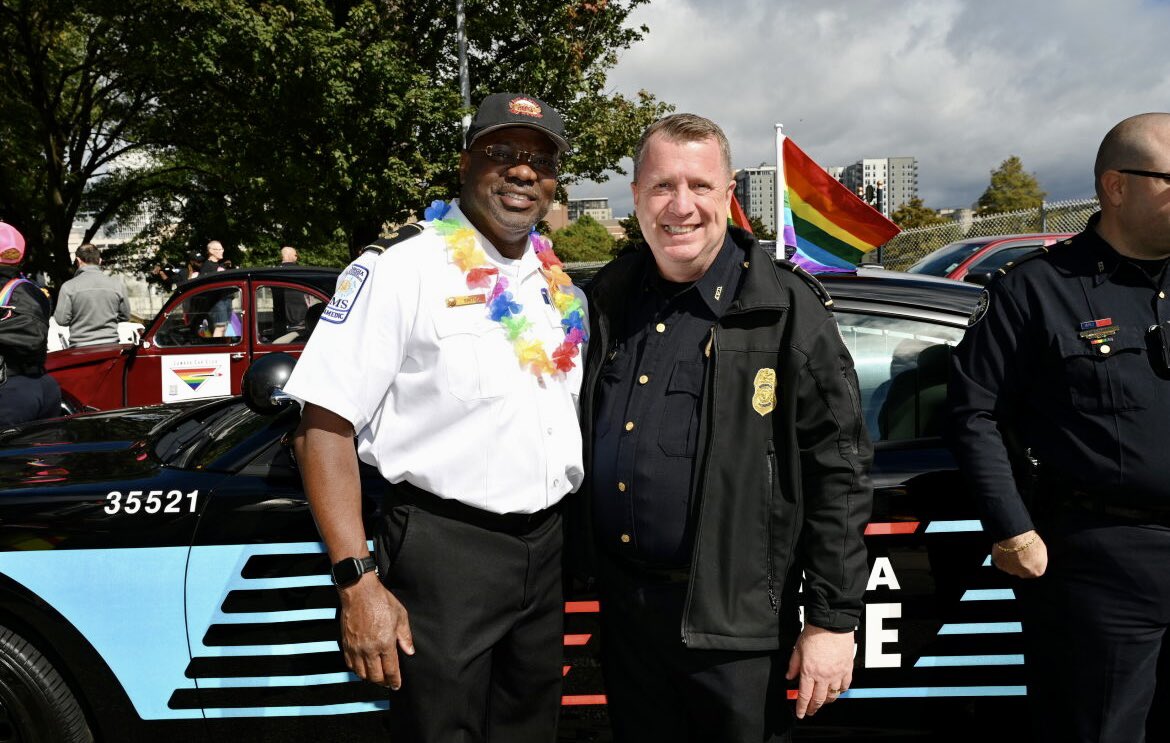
(709, 352)
(771, 552)
(856, 410)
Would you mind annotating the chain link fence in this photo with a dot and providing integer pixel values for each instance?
(1057, 216)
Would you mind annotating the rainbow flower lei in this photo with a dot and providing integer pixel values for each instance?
(503, 308)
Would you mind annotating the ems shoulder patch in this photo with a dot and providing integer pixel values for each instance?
(349, 286)
(817, 287)
(980, 309)
(405, 232)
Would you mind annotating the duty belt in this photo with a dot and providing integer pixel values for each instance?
(1090, 503)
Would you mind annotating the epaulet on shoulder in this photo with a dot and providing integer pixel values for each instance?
(817, 287)
(405, 232)
(1039, 252)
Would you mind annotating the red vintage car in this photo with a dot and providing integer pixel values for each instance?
(200, 343)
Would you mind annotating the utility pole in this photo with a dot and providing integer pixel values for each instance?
(464, 77)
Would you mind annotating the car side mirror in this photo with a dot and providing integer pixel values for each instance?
(263, 382)
(982, 278)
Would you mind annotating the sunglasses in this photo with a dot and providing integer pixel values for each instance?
(1164, 177)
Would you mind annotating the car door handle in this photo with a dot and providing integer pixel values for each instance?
(238, 356)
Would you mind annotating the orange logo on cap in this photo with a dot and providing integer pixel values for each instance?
(525, 107)
(10, 255)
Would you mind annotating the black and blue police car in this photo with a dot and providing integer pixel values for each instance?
(161, 577)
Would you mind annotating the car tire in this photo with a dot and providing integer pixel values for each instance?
(36, 705)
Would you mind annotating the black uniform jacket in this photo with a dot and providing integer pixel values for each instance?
(1056, 387)
(780, 487)
(24, 328)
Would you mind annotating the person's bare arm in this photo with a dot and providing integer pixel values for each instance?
(373, 622)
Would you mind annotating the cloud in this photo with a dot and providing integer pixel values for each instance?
(959, 84)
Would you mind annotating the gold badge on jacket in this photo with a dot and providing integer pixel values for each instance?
(764, 399)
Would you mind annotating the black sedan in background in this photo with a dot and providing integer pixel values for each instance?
(161, 577)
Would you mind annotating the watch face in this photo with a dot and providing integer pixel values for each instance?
(347, 571)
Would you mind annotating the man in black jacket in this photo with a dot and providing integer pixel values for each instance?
(726, 454)
(26, 391)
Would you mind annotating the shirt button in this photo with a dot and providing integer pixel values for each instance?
(629, 425)
(550, 432)
(622, 487)
(625, 539)
(556, 483)
(1105, 349)
(660, 327)
(643, 379)
(1161, 295)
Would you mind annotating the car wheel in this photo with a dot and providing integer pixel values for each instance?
(36, 705)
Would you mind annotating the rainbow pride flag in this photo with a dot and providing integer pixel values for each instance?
(737, 216)
(830, 227)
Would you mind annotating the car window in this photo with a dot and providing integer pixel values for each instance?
(944, 260)
(902, 368)
(282, 314)
(212, 317)
(995, 260)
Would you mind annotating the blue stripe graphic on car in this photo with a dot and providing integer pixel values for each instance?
(980, 628)
(950, 527)
(947, 661)
(988, 594)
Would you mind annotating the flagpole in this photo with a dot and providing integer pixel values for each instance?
(781, 187)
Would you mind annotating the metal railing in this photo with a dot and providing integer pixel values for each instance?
(1056, 216)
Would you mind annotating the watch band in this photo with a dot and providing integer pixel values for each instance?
(349, 570)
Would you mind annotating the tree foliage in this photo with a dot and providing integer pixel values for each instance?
(915, 214)
(583, 240)
(306, 122)
(1011, 189)
(760, 230)
(633, 233)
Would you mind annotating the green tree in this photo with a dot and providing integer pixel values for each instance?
(309, 122)
(760, 230)
(1011, 189)
(633, 233)
(916, 214)
(583, 240)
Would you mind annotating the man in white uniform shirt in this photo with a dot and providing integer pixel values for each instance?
(454, 356)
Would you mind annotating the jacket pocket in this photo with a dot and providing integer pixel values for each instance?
(678, 433)
(1108, 377)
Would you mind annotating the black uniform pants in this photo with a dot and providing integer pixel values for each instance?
(1094, 625)
(486, 610)
(24, 399)
(657, 689)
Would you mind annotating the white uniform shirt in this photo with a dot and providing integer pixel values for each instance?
(436, 393)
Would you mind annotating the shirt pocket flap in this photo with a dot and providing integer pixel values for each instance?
(687, 377)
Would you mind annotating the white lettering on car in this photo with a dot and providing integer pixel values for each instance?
(150, 502)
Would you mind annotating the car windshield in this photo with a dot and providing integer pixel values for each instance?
(944, 260)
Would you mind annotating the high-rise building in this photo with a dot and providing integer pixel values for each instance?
(756, 190)
(885, 182)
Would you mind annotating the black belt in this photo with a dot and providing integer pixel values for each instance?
(1090, 503)
(648, 572)
(509, 523)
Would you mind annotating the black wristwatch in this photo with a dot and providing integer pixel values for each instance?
(348, 571)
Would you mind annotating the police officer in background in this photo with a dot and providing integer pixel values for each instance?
(26, 391)
(447, 355)
(1060, 397)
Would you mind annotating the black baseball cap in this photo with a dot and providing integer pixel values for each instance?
(501, 110)
(195, 256)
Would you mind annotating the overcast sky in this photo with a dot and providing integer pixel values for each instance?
(959, 84)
